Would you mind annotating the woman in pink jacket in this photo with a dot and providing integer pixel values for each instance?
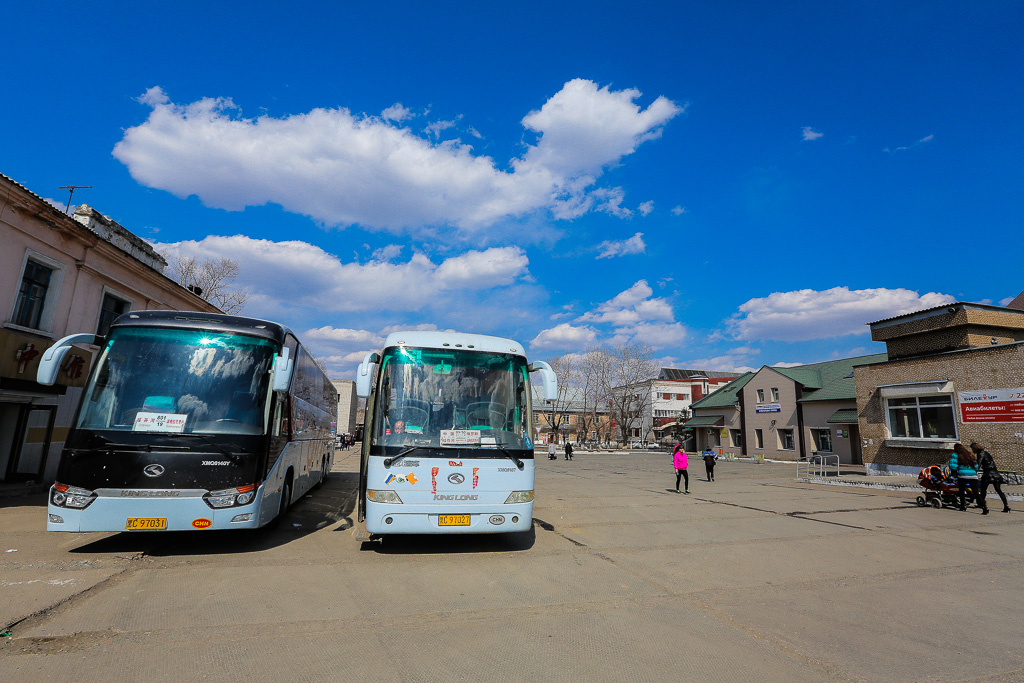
(679, 462)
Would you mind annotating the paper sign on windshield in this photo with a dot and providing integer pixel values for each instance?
(159, 422)
(460, 437)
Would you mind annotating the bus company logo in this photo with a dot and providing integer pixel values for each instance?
(153, 470)
(455, 463)
(456, 478)
(452, 496)
(399, 479)
(202, 523)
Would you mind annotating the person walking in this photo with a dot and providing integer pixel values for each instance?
(709, 462)
(679, 462)
(568, 450)
(965, 465)
(989, 475)
(551, 451)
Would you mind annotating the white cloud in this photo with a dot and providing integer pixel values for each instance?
(396, 112)
(926, 139)
(631, 306)
(564, 336)
(388, 252)
(809, 314)
(679, 210)
(811, 134)
(305, 275)
(634, 245)
(342, 169)
(646, 208)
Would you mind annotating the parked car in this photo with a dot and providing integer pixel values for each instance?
(645, 445)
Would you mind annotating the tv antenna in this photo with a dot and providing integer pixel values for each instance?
(71, 193)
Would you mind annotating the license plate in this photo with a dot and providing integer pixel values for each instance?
(453, 520)
(145, 523)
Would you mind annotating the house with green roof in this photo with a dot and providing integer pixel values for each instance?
(786, 413)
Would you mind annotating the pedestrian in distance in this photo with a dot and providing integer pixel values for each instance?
(989, 475)
(568, 450)
(679, 462)
(551, 451)
(965, 465)
(709, 462)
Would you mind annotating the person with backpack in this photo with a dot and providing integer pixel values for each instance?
(989, 475)
(709, 462)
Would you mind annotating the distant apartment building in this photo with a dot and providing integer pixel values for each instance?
(62, 275)
(955, 373)
(348, 406)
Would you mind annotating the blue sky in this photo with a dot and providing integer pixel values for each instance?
(736, 184)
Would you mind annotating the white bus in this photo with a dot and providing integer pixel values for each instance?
(191, 421)
(447, 444)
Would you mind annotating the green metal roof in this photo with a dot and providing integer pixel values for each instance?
(726, 396)
(704, 421)
(830, 380)
(843, 416)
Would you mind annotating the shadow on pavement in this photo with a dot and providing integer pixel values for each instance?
(333, 503)
(431, 544)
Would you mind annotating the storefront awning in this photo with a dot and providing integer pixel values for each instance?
(933, 386)
(706, 421)
(843, 416)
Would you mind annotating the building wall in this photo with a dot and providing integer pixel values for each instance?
(722, 436)
(991, 367)
(816, 416)
(771, 423)
(348, 405)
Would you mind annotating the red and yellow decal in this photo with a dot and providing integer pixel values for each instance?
(202, 523)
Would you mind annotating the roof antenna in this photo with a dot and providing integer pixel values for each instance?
(71, 193)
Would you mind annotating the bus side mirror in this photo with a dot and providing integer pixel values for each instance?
(547, 378)
(49, 364)
(364, 374)
(283, 370)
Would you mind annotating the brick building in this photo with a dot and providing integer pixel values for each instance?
(955, 373)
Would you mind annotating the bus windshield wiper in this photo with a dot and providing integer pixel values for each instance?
(232, 455)
(405, 451)
(148, 447)
(510, 456)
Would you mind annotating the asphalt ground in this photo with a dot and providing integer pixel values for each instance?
(753, 576)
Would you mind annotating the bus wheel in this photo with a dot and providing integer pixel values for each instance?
(286, 494)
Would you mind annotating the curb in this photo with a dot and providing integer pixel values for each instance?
(908, 488)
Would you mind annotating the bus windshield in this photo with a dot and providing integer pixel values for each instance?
(452, 399)
(185, 381)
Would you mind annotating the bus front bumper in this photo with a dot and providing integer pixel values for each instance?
(481, 519)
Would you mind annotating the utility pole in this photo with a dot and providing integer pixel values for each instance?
(71, 193)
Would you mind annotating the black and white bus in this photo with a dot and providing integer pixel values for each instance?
(191, 421)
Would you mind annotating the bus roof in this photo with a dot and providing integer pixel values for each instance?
(205, 321)
(450, 340)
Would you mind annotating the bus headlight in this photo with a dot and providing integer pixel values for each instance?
(66, 496)
(383, 496)
(242, 495)
(519, 497)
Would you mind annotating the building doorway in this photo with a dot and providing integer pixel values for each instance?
(29, 431)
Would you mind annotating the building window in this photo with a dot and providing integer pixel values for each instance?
(758, 438)
(737, 438)
(683, 397)
(35, 283)
(775, 395)
(786, 442)
(111, 307)
(760, 395)
(922, 417)
(667, 396)
(822, 440)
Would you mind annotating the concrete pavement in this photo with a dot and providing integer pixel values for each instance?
(753, 575)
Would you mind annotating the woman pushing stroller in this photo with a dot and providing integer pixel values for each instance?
(965, 464)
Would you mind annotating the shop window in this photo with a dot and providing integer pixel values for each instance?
(921, 417)
(786, 440)
(758, 438)
(822, 440)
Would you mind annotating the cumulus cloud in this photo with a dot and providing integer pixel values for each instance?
(634, 245)
(646, 208)
(637, 317)
(808, 314)
(679, 210)
(307, 276)
(811, 134)
(343, 169)
(564, 336)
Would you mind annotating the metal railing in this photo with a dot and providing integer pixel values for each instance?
(818, 465)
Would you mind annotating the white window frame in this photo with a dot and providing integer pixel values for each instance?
(760, 395)
(920, 424)
(52, 293)
(775, 394)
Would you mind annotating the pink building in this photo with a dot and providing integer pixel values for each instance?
(62, 275)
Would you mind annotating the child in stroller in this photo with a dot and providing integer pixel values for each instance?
(940, 488)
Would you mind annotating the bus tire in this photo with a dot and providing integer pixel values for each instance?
(286, 494)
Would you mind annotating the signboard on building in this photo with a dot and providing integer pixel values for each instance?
(768, 408)
(992, 405)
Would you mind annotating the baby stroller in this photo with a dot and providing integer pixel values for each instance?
(940, 488)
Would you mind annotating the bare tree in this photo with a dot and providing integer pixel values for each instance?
(211, 279)
(632, 369)
(594, 381)
(565, 368)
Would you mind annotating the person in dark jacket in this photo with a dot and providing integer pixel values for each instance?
(568, 450)
(989, 475)
(709, 462)
(965, 465)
